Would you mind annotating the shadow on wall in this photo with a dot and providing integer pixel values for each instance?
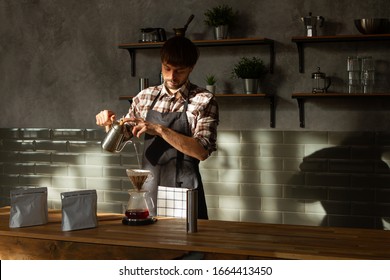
(350, 182)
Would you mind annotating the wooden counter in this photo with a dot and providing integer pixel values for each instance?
(168, 239)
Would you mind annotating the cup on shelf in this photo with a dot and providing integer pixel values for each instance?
(361, 74)
(368, 63)
(368, 74)
(368, 81)
(355, 88)
(354, 74)
(353, 64)
(354, 77)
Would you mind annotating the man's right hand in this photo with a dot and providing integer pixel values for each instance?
(105, 118)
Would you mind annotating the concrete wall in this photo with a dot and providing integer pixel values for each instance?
(60, 65)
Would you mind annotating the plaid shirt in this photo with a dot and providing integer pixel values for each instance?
(202, 111)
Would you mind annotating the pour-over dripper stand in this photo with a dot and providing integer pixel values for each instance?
(137, 211)
(138, 177)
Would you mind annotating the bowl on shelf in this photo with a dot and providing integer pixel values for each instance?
(372, 25)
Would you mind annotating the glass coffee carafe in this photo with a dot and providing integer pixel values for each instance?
(320, 82)
(137, 209)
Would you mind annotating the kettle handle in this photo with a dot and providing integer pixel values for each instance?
(123, 143)
(188, 21)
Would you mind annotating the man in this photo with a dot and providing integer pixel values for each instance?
(179, 120)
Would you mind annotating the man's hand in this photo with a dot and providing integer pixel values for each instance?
(185, 144)
(105, 118)
(141, 126)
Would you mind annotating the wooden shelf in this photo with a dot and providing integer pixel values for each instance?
(300, 97)
(241, 95)
(126, 97)
(133, 47)
(339, 95)
(236, 95)
(302, 40)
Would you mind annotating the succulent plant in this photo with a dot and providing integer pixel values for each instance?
(210, 80)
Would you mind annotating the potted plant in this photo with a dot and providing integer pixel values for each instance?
(250, 70)
(221, 18)
(210, 83)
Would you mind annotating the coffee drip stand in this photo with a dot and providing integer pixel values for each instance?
(137, 210)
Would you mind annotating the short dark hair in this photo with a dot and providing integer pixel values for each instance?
(179, 51)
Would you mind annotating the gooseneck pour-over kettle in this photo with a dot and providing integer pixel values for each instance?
(115, 139)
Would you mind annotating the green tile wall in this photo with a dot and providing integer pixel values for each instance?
(291, 177)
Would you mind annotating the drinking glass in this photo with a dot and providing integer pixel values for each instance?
(368, 74)
(354, 74)
(353, 63)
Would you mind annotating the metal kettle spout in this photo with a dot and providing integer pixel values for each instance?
(122, 145)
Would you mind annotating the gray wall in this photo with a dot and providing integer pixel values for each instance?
(60, 64)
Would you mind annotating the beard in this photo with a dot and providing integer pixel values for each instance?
(173, 85)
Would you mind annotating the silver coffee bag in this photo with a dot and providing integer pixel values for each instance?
(79, 210)
(28, 207)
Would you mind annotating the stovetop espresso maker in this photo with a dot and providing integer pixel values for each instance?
(311, 22)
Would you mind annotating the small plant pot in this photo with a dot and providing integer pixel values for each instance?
(221, 32)
(251, 86)
(211, 88)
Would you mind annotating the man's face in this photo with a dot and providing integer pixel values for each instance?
(175, 76)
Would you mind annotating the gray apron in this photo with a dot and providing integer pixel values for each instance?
(171, 168)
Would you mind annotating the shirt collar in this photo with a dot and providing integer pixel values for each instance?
(184, 90)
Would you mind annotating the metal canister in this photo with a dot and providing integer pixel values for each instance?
(192, 210)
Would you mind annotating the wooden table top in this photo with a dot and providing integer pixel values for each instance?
(249, 240)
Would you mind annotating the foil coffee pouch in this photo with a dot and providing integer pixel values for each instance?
(79, 210)
(28, 207)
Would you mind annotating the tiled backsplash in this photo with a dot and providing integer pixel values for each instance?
(285, 177)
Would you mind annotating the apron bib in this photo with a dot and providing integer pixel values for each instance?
(171, 168)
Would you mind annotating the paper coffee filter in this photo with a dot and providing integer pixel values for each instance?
(138, 177)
